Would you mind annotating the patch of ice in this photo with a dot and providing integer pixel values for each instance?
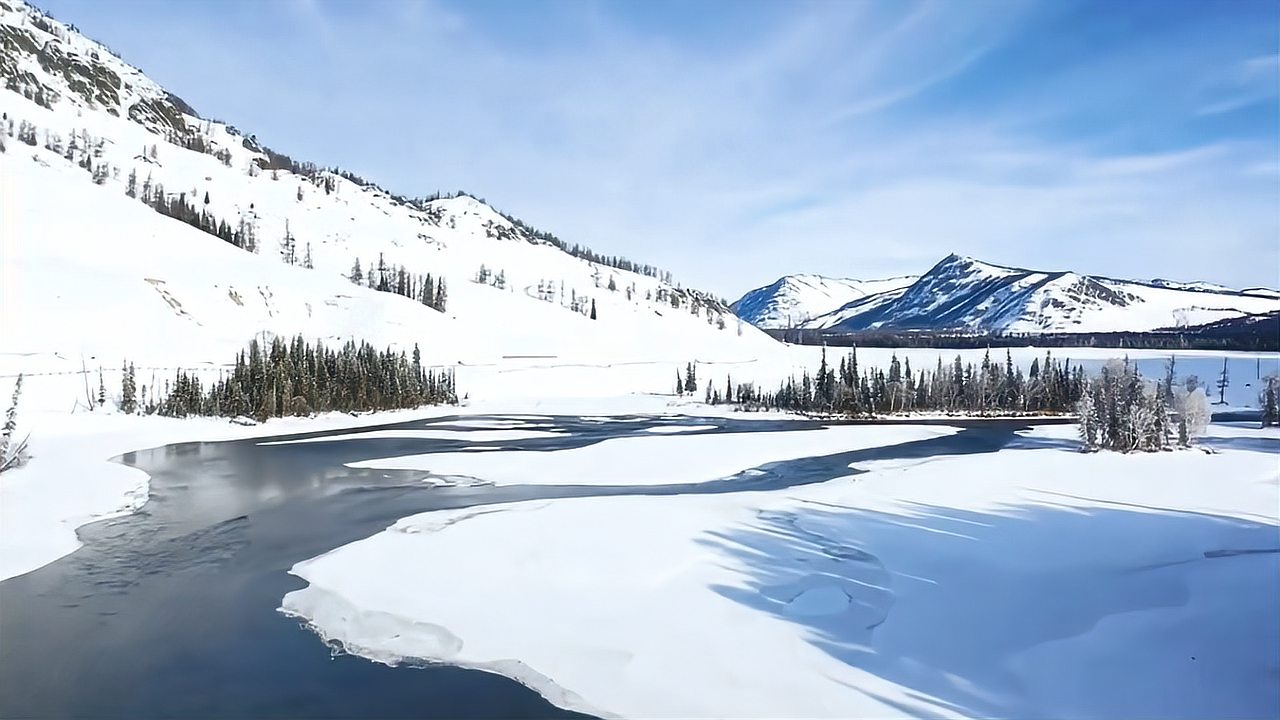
(673, 429)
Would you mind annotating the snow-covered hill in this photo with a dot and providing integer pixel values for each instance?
(965, 295)
(93, 273)
(793, 300)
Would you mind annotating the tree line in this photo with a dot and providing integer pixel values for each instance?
(184, 209)
(990, 387)
(428, 290)
(1261, 339)
(197, 214)
(1118, 409)
(296, 378)
(586, 253)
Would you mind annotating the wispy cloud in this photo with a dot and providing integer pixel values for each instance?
(731, 142)
(1251, 82)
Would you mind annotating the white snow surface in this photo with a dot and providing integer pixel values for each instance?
(468, 435)
(651, 460)
(1034, 582)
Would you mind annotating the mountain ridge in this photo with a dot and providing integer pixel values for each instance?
(963, 294)
(790, 300)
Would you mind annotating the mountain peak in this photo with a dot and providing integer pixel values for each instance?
(962, 294)
(956, 265)
(793, 300)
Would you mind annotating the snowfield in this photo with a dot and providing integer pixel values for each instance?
(1033, 582)
(661, 460)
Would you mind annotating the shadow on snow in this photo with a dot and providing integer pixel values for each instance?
(975, 612)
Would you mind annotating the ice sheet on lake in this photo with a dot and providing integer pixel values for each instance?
(1036, 581)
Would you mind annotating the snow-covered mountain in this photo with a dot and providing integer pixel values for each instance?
(965, 295)
(133, 228)
(794, 300)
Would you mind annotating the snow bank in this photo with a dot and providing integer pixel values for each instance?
(468, 435)
(1033, 582)
(653, 460)
(70, 480)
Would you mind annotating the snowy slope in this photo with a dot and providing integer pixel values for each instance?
(966, 295)
(793, 300)
(93, 275)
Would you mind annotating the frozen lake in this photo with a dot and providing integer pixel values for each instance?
(172, 611)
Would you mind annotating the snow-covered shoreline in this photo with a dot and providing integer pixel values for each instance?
(1036, 581)
(71, 479)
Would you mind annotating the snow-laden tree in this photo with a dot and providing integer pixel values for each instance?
(1191, 413)
(1089, 421)
(128, 390)
(1120, 411)
(1269, 400)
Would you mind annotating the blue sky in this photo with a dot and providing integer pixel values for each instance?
(736, 141)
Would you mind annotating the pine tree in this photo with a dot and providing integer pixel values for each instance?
(306, 258)
(102, 389)
(1088, 422)
(1166, 387)
(593, 308)
(1271, 402)
(357, 275)
(288, 246)
(128, 390)
(690, 379)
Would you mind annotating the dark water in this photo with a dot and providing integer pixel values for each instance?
(171, 611)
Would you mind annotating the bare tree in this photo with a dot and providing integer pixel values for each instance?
(12, 454)
(1224, 381)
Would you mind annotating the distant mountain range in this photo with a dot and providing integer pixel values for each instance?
(961, 294)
